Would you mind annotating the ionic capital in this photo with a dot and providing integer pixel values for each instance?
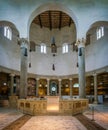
(59, 80)
(70, 79)
(80, 42)
(23, 42)
(37, 79)
(94, 74)
(48, 79)
(12, 75)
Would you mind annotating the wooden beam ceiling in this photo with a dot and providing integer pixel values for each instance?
(50, 20)
(53, 19)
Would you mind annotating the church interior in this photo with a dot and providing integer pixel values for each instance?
(53, 65)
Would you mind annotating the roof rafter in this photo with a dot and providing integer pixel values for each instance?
(60, 19)
(39, 17)
(50, 20)
(70, 21)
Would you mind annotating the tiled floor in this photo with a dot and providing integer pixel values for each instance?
(55, 122)
(7, 116)
(100, 114)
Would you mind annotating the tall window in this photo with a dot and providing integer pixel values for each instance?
(8, 32)
(100, 32)
(43, 48)
(65, 48)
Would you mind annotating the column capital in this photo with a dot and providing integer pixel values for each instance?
(12, 75)
(37, 79)
(23, 42)
(60, 80)
(48, 79)
(70, 79)
(80, 42)
(94, 74)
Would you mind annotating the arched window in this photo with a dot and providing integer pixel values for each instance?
(100, 32)
(43, 48)
(65, 48)
(76, 85)
(8, 32)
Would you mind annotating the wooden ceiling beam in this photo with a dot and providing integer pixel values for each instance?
(40, 22)
(70, 21)
(60, 19)
(50, 20)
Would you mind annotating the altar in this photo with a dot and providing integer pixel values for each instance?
(52, 103)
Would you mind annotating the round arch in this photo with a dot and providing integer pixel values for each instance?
(97, 23)
(10, 24)
(51, 6)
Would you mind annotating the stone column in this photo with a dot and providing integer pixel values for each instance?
(12, 83)
(37, 86)
(23, 69)
(47, 87)
(59, 87)
(70, 88)
(95, 89)
(81, 67)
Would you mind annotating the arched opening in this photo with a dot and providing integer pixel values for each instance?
(57, 24)
(96, 53)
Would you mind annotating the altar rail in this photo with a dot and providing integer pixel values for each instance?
(73, 107)
(32, 107)
(66, 107)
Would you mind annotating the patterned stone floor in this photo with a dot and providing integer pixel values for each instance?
(100, 114)
(55, 122)
(7, 116)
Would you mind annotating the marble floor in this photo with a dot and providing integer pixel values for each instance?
(100, 116)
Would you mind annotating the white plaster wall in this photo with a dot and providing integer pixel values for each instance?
(97, 52)
(86, 12)
(9, 52)
(65, 64)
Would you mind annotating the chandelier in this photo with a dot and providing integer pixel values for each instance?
(53, 51)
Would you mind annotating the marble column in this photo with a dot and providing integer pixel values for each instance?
(81, 67)
(37, 86)
(59, 87)
(47, 87)
(95, 89)
(12, 83)
(70, 88)
(23, 69)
